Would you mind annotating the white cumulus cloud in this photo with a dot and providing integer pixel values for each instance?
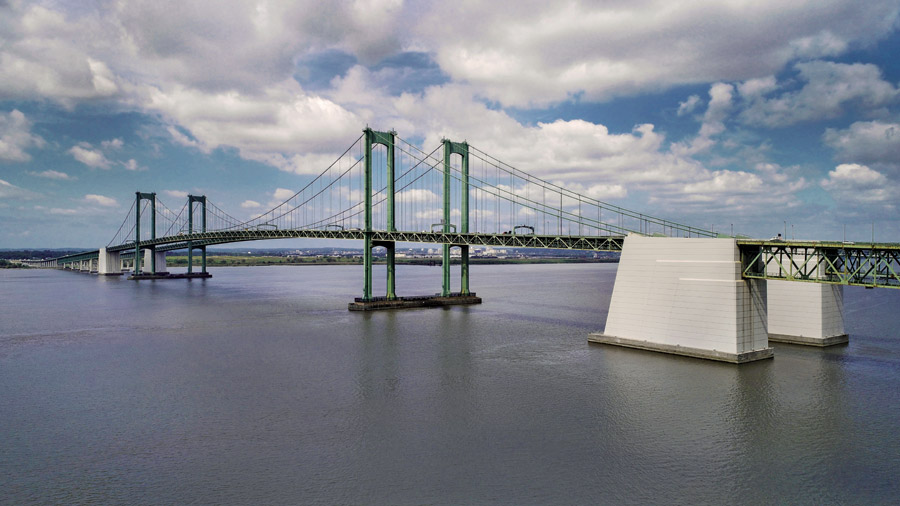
(178, 194)
(93, 158)
(11, 191)
(282, 194)
(866, 142)
(828, 89)
(284, 126)
(534, 52)
(100, 200)
(112, 144)
(855, 183)
(688, 105)
(52, 174)
(132, 165)
(16, 137)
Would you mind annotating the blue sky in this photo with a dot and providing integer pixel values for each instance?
(749, 114)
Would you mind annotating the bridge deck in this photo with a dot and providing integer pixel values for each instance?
(181, 241)
(843, 263)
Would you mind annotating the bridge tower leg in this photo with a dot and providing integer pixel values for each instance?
(367, 233)
(387, 139)
(464, 221)
(137, 233)
(462, 149)
(686, 297)
(445, 257)
(203, 229)
(190, 251)
(153, 232)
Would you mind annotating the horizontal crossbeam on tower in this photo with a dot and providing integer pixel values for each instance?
(838, 263)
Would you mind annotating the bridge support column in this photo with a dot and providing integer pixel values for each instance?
(190, 268)
(159, 258)
(445, 271)
(110, 263)
(686, 297)
(390, 259)
(154, 259)
(806, 313)
(367, 267)
(464, 270)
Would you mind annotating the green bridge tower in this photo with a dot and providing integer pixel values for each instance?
(388, 140)
(138, 198)
(198, 199)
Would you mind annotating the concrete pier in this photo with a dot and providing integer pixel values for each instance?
(147, 266)
(806, 313)
(109, 263)
(687, 297)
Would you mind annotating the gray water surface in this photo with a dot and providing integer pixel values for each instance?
(259, 387)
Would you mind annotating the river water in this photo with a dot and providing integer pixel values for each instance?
(259, 387)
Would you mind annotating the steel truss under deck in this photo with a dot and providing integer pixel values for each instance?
(838, 263)
(172, 243)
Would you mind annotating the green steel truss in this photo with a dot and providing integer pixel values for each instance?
(598, 243)
(838, 263)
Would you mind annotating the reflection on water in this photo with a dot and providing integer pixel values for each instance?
(259, 386)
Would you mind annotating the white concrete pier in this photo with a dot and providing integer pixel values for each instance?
(806, 313)
(160, 262)
(110, 263)
(687, 297)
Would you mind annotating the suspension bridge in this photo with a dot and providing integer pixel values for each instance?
(383, 190)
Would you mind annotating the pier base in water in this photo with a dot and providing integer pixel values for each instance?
(686, 351)
(379, 303)
(166, 275)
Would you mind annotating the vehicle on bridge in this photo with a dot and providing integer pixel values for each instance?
(515, 229)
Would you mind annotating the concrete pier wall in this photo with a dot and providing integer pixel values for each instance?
(160, 262)
(806, 313)
(110, 263)
(686, 296)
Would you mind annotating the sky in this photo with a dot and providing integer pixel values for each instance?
(760, 116)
